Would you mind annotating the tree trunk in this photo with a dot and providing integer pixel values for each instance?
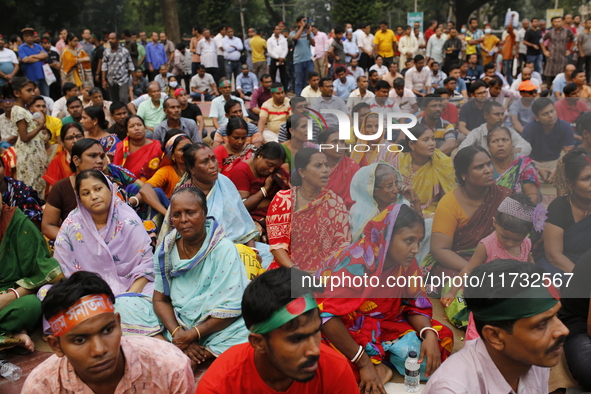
(171, 20)
(274, 15)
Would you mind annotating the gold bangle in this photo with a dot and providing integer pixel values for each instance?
(175, 330)
(198, 333)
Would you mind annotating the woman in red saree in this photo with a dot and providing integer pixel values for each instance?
(368, 324)
(307, 223)
(342, 168)
(138, 154)
(59, 167)
(235, 149)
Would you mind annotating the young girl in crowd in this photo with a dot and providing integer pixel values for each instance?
(515, 219)
(30, 146)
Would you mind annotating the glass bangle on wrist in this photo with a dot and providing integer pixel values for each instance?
(427, 329)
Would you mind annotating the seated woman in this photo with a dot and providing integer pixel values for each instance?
(94, 123)
(16, 194)
(171, 85)
(379, 323)
(576, 317)
(235, 149)
(140, 155)
(342, 168)
(26, 266)
(201, 315)
(59, 167)
(465, 215)
(568, 228)
(519, 175)
(386, 151)
(259, 178)
(105, 236)
(223, 200)
(297, 139)
(157, 190)
(307, 223)
(87, 154)
(428, 171)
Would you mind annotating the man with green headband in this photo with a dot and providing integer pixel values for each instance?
(284, 353)
(521, 336)
(274, 113)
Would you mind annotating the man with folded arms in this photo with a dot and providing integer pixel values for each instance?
(521, 336)
(90, 355)
(284, 353)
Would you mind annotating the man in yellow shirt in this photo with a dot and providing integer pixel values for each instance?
(384, 43)
(259, 61)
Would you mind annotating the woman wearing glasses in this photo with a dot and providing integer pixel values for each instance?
(59, 167)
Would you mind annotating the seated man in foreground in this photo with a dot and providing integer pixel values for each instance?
(521, 336)
(284, 352)
(91, 356)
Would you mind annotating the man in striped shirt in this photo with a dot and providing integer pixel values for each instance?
(274, 112)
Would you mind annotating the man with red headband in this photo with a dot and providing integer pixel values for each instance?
(521, 336)
(284, 353)
(90, 355)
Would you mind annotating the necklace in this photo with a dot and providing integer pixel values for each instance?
(470, 201)
(585, 213)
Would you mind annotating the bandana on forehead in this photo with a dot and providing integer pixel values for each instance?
(277, 89)
(530, 302)
(85, 308)
(170, 143)
(224, 83)
(286, 314)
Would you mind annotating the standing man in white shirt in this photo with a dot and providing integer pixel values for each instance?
(232, 49)
(207, 50)
(365, 44)
(350, 47)
(435, 45)
(219, 42)
(408, 47)
(418, 78)
(320, 44)
(277, 49)
(522, 48)
(8, 63)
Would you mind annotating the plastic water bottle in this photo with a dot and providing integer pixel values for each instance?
(411, 372)
(10, 371)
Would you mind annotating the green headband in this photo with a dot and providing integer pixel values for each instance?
(530, 302)
(277, 89)
(223, 83)
(286, 314)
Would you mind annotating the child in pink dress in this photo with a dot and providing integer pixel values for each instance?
(516, 217)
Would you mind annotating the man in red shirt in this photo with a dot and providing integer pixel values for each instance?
(284, 353)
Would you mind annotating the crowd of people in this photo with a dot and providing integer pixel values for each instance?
(122, 214)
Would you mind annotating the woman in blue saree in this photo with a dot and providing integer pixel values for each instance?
(200, 280)
(223, 200)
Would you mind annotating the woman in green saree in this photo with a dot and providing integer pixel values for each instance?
(26, 266)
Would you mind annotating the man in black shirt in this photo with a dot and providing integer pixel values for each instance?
(532, 40)
(119, 114)
(53, 59)
(190, 110)
(96, 63)
(452, 49)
